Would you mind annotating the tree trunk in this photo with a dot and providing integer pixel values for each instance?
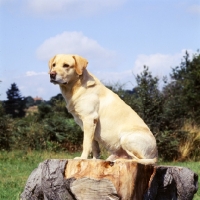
(103, 180)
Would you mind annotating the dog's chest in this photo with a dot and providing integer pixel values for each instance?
(77, 119)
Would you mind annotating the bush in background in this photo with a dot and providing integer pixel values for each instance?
(6, 127)
(27, 134)
(189, 148)
(52, 133)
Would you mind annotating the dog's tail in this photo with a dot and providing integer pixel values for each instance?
(146, 161)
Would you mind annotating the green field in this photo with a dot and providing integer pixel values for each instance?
(15, 167)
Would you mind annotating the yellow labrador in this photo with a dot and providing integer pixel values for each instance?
(102, 115)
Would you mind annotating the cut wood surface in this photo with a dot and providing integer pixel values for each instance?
(98, 179)
(129, 178)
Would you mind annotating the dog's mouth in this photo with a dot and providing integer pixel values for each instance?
(53, 81)
(56, 82)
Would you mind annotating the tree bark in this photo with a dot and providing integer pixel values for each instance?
(103, 180)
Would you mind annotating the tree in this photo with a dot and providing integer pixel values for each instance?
(183, 92)
(149, 99)
(15, 104)
(29, 101)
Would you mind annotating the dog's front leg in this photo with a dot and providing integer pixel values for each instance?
(89, 126)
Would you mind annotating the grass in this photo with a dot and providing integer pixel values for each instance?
(16, 166)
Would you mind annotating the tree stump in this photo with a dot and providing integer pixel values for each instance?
(103, 180)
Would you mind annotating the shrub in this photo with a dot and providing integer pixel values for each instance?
(44, 110)
(189, 148)
(168, 144)
(59, 106)
(6, 124)
(63, 131)
(28, 134)
(52, 133)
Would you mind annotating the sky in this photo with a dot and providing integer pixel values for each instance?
(117, 37)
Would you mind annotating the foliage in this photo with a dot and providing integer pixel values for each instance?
(168, 144)
(56, 98)
(53, 133)
(184, 89)
(149, 99)
(16, 104)
(189, 148)
(27, 134)
(29, 101)
(44, 110)
(49, 128)
(5, 129)
(63, 131)
(59, 105)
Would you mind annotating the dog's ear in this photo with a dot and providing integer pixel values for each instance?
(50, 63)
(80, 64)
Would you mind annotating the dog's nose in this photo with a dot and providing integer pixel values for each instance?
(53, 75)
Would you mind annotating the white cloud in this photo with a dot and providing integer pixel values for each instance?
(32, 73)
(195, 9)
(125, 78)
(70, 8)
(76, 43)
(159, 64)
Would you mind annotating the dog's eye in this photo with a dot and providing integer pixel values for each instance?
(65, 65)
(54, 64)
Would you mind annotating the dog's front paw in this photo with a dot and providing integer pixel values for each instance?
(112, 158)
(78, 158)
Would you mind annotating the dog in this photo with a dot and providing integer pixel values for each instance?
(101, 114)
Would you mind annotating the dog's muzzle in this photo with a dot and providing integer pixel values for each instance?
(53, 75)
(53, 78)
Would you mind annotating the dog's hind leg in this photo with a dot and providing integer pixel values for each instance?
(95, 150)
(140, 146)
(120, 154)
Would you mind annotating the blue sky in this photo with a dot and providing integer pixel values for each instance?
(117, 37)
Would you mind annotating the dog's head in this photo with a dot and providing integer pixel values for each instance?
(64, 69)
